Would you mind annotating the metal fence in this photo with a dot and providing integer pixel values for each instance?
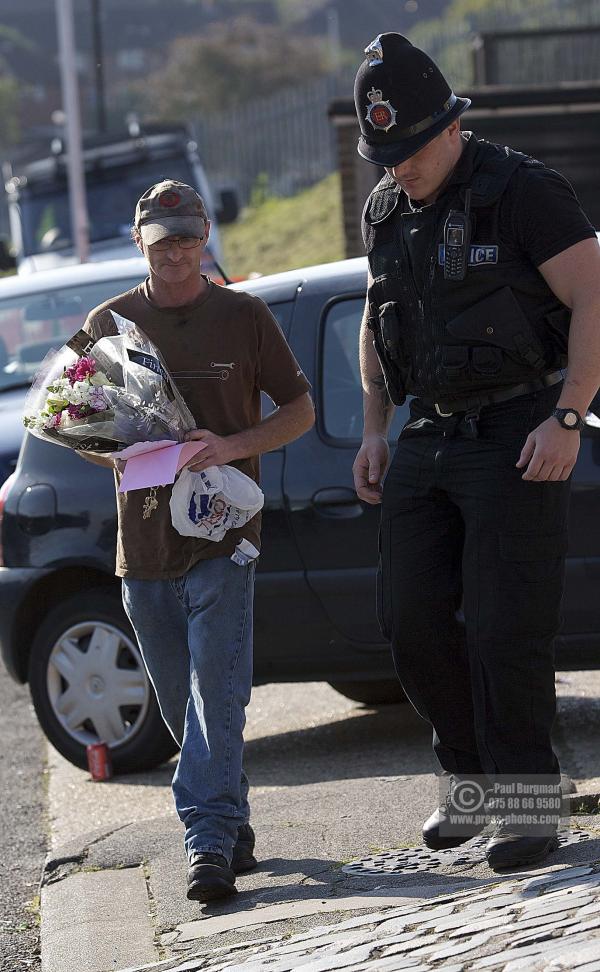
(538, 57)
(451, 43)
(284, 141)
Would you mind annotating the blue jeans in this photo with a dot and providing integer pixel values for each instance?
(195, 635)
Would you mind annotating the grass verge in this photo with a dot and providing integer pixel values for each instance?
(283, 234)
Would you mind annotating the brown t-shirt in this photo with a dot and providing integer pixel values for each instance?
(221, 351)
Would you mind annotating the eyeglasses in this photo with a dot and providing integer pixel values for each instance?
(185, 242)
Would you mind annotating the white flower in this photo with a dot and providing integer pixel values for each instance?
(38, 422)
(60, 387)
(79, 393)
(54, 398)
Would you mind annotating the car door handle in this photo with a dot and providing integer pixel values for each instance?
(337, 502)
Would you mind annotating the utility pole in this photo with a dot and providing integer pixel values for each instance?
(334, 40)
(98, 51)
(70, 99)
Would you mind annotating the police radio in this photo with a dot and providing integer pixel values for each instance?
(457, 241)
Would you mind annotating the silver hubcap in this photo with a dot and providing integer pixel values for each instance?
(97, 684)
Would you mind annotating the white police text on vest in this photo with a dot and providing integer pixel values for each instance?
(478, 254)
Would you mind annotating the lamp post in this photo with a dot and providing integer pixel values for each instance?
(334, 40)
(70, 100)
(98, 53)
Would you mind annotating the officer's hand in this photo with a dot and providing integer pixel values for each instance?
(549, 453)
(369, 468)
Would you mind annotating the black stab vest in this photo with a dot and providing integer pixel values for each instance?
(500, 326)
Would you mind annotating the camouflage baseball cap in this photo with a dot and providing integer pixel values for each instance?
(170, 208)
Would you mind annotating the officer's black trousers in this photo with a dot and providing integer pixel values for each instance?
(460, 525)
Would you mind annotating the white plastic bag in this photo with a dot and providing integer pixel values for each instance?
(206, 504)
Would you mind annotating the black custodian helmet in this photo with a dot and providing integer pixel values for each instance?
(402, 100)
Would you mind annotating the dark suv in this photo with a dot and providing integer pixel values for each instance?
(62, 627)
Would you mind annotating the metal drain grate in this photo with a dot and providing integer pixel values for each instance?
(412, 859)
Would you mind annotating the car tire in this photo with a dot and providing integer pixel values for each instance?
(77, 695)
(383, 692)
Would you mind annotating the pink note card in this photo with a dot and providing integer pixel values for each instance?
(155, 463)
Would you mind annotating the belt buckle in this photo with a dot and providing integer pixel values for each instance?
(439, 411)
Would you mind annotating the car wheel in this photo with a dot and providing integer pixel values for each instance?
(88, 684)
(383, 692)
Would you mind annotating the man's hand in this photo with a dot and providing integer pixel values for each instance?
(369, 468)
(286, 423)
(550, 452)
(218, 452)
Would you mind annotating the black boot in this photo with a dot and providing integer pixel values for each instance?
(451, 825)
(209, 878)
(243, 853)
(513, 845)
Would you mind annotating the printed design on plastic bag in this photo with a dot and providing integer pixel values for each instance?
(207, 504)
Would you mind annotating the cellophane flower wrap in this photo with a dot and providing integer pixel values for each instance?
(102, 396)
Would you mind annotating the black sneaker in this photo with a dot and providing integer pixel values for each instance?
(512, 846)
(209, 878)
(243, 853)
(449, 825)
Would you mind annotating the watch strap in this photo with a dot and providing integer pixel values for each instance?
(569, 418)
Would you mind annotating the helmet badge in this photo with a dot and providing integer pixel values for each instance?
(375, 51)
(380, 113)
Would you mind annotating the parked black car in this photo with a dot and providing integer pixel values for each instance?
(62, 627)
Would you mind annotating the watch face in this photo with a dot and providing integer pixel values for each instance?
(571, 419)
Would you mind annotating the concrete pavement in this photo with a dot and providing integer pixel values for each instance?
(333, 782)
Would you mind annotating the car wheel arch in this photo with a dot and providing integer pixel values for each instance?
(42, 596)
(88, 683)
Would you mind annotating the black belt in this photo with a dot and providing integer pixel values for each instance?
(475, 402)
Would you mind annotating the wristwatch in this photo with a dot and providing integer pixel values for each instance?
(569, 418)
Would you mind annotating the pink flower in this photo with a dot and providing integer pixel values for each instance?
(82, 369)
(77, 411)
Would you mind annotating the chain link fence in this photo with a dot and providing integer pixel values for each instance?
(284, 142)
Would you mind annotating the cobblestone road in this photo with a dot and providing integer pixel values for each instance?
(547, 923)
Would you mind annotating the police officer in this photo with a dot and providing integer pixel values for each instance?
(484, 276)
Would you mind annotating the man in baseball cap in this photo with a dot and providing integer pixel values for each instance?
(170, 208)
(171, 228)
(189, 597)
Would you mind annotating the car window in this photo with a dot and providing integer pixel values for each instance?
(32, 324)
(341, 391)
(111, 192)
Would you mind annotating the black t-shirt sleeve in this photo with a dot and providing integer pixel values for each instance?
(547, 216)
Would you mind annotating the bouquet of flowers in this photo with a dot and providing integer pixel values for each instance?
(102, 396)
